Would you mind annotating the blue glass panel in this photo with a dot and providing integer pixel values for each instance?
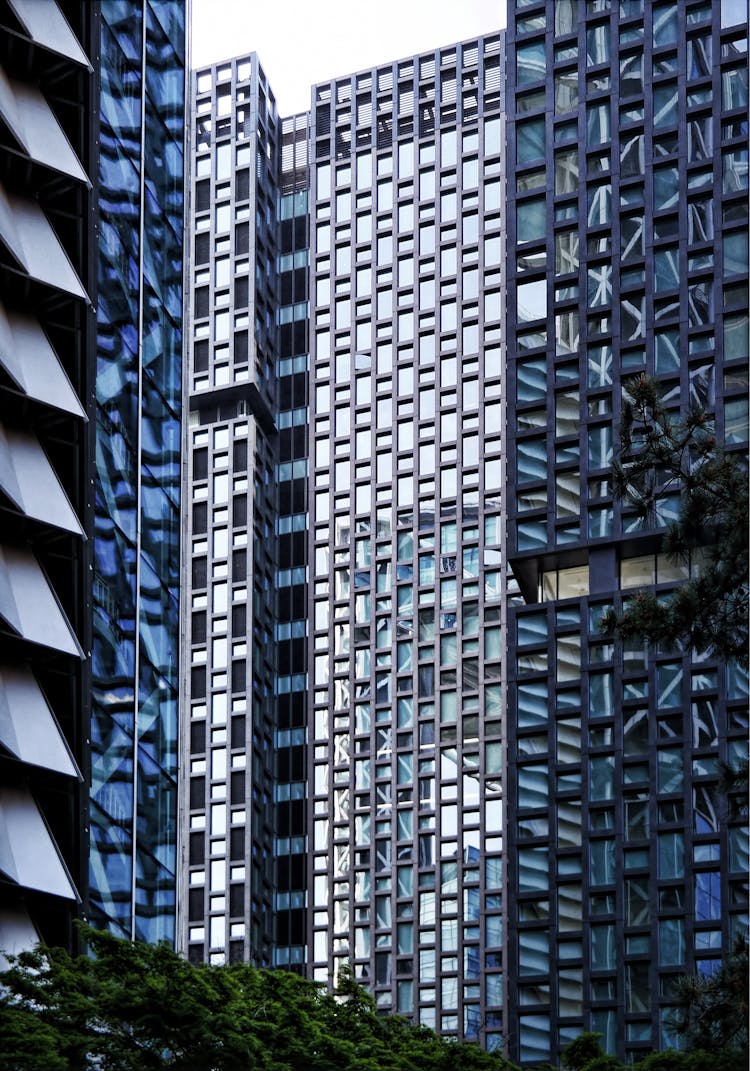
(158, 622)
(157, 718)
(110, 874)
(171, 17)
(138, 387)
(126, 22)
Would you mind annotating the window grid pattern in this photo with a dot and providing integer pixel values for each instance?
(232, 472)
(627, 220)
(406, 539)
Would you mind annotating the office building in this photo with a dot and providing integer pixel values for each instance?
(627, 253)
(92, 107)
(343, 754)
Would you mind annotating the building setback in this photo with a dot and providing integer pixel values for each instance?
(627, 253)
(227, 735)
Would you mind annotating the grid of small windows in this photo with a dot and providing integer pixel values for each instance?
(627, 253)
(406, 557)
(227, 747)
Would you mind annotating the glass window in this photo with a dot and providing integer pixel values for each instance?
(631, 75)
(671, 855)
(531, 62)
(531, 460)
(531, 217)
(603, 949)
(600, 446)
(598, 124)
(665, 24)
(597, 45)
(601, 777)
(734, 88)
(531, 300)
(671, 942)
(566, 252)
(708, 896)
(735, 170)
(602, 862)
(666, 187)
(566, 91)
(530, 141)
(533, 869)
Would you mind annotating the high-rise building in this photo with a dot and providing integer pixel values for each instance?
(405, 653)
(627, 253)
(438, 267)
(230, 544)
(343, 752)
(92, 105)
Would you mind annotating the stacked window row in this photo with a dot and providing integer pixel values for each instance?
(291, 841)
(230, 787)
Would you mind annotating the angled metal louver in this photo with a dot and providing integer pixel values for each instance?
(28, 358)
(28, 854)
(28, 479)
(28, 236)
(29, 606)
(28, 728)
(36, 129)
(47, 26)
(17, 934)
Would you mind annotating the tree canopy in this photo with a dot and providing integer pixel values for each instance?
(661, 459)
(138, 1007)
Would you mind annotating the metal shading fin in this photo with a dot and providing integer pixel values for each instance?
(29, 605)
(28, 854)
(28, 728)
(47, 26)
(29, 480)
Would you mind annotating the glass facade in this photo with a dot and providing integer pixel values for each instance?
(627, 253)
(133, 815)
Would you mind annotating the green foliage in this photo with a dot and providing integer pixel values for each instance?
(661, 457)
(712, 1011)
(734, 785)
(582, 1051)
(137, 1007)
(699, 1060)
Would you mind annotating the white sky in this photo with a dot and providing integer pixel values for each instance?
(301, 42)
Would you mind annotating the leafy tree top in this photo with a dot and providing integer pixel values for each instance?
(138, 1007)
(661, 456)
